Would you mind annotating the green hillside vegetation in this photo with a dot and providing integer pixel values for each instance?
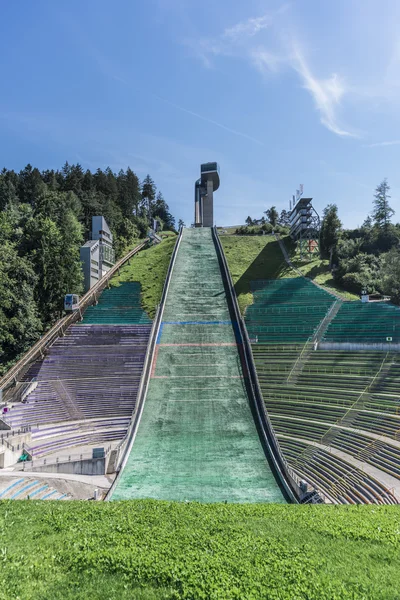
(45, 217)
(250, 258)
(151, 550)
(318, 270)
(260, 257)
(149, 267)
(366, 257)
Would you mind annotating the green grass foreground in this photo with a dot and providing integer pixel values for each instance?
(149, 267)
(150, 550)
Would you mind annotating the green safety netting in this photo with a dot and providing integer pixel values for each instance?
(197, 439)
(117, 306)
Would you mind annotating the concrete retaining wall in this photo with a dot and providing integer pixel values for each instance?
(90, 466)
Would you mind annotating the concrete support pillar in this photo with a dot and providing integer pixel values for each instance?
(208, 212)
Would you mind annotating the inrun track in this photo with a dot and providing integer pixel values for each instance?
(197, 439)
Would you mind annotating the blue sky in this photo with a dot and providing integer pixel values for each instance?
(279, 93)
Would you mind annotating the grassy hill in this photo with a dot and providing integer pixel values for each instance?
(250, 258)
(260, 257)
(150, 550)
(318, 270)
(149, 267)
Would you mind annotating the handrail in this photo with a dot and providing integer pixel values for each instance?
(286, 475)
(63, 458)
(147, 368)
(60, 326)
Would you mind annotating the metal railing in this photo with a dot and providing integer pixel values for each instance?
(12, 433)
(37, 351)
(51, 460)
(126, 444)
(287, 476)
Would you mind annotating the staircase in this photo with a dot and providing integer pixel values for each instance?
(25, 488)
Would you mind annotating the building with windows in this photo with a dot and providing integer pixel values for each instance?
(97, 255)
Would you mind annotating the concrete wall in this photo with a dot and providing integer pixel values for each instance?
(114, 459)
(90, 251)
(11, 447)
(208, 212)
(90, 466)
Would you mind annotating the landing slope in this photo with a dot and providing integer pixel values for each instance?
(197, 439)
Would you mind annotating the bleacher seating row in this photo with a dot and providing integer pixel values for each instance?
(343, 400)
(83, 380)
(336, 478)
(287, 310)
(371, 322)
(88, 382)
(119, 305)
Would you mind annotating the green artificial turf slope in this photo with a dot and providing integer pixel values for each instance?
(149, 550)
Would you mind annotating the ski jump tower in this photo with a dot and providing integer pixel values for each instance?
(305, 225)
(203, 194)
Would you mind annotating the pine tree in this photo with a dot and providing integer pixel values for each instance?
(149, 190)
(30, 186)
(129, 193)
(330, 231)
(8, 194)
(160, 210)
(367, 223)
(284, 218)
(272, 215)
(382, 212)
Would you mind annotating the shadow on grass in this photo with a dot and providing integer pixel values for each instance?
(316, 270)
(268, 264)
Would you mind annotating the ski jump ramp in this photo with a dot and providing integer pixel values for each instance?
(197, 439)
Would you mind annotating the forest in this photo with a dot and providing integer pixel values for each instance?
(45, 217)
(367, 257)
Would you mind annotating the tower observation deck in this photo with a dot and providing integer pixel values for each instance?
(305, 227)
(203, 194)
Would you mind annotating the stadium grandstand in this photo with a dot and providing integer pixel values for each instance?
(297, 402)
(85, 389)
(335, 410)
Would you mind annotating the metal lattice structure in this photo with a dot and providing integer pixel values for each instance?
(305, 227)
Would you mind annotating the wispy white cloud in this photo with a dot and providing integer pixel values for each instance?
(238, 41)
(265, 60)
(382, 144)
(247, 28)
(326, 93)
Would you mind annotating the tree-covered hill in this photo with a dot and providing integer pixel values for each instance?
(364, 258)
(368, 257)
(44, 219)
